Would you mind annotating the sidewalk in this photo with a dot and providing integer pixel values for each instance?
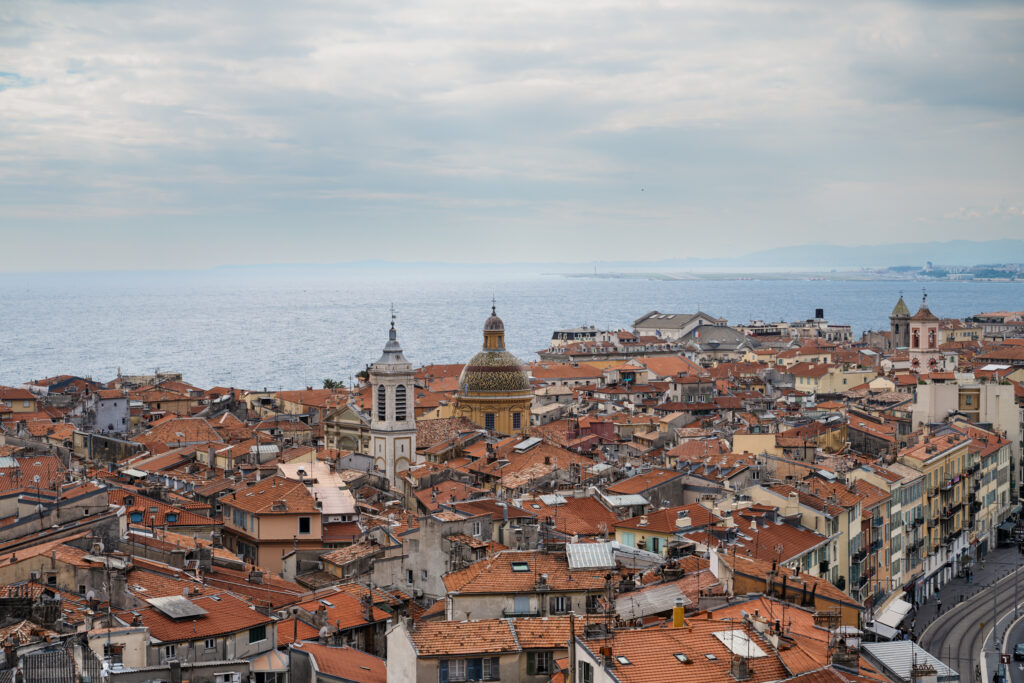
(998, 564)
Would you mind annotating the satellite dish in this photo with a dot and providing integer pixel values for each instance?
(324, 632)
(91, 595)
(36, 478)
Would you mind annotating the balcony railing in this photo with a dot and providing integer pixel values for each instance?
(876, 546)
(858, 556)
(932, 492)
(877, 521)
(516, 613)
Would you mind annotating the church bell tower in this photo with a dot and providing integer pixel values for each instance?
(392, 414)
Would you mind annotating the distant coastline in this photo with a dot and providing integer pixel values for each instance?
(835, 276)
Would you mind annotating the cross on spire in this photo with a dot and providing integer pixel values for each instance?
(494, 305)
(392, 315)
(924, 296)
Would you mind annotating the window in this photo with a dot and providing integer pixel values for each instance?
(489, 421)
(517, 420)
(382, 403)
(210, 643)
(172, 517)
(622, 660)
(476, 528)
(492, 669)
(304, 525)
(113, 653)
(423, 574)
(257, 633)
(170, 651)
(560, 604)
(540, 663)
(400, 402)
(683, 659)
(586, 673)
(520, 566)
(452, 670)
(628, 539)
(408, 576)
(136, 517)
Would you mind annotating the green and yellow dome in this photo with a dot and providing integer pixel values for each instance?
(494, 370)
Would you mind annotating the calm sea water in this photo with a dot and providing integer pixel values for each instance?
(246, 330)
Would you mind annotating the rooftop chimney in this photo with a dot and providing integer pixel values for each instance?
(739, 668)
(679, 613)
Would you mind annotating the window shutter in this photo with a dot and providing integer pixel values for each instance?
(442, 671)
(474, 669)
(531, 663)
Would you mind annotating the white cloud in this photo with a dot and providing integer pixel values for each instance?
(762, 120)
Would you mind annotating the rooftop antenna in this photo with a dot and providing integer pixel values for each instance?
(392, 315)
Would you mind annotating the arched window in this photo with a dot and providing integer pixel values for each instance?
(916, 341)
(400, 402)
(931, 338)
(382, 403)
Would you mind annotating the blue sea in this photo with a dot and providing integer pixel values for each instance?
(253, 330)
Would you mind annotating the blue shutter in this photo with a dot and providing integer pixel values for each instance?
(442, 671)
(474, 669)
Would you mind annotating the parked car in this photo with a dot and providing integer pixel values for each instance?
(1018, 651)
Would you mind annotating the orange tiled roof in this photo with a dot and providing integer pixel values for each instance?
(664, 521)
(346, 663)
(643, 482)
(495, 574)
(651, 653)
(447, 638)
(262, 496)
(225, 614)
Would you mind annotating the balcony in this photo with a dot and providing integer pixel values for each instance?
(858, 557)
(513, 613)
(823, 567)
(932, 492)
(933, 520)
(974, 468)
(876, 546)
(947, 514)
(877, 521)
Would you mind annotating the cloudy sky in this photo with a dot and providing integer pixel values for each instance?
(191, 134)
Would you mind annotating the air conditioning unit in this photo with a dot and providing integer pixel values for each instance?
(33, 575)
